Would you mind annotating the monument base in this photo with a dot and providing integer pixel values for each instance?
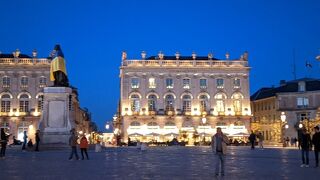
(56, 120)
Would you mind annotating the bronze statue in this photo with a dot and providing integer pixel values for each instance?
(58, 72)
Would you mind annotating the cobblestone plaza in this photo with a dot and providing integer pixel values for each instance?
(157, 163)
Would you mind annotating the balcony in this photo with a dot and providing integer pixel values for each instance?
(185, 63)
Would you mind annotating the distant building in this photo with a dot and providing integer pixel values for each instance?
(298, 101)
(23, 78)
(186, 97)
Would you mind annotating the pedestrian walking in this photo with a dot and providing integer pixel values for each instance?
(219, 147)
(252, 139)
(84, 146)
(261, 139)
(73, 144)
(305, 147)
(25, 139)
(4, 140)
(295, 142)
(98, 146)
(316, 143)
(37, 140)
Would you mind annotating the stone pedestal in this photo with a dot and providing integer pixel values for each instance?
(56, 120)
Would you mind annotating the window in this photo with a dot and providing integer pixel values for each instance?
(186, 83)
(302, 86)
(40, 103)
(203, 103)
(169, 123)
(24, 81)
(302, 102)
(203, 83)
(220, 83)
(152, 101)
(152, 83)
(186, 103)
(303, 116)
(169, 83)
(236, 83)
(135, 123)
(5, 103)
(169, 102)
(24, 103)
(220, 98)
(42, 81)
(23, 126)
(6, 82)
(152, 124)
(134, 83)
(135, 103)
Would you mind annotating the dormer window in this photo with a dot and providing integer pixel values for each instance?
(302, 86)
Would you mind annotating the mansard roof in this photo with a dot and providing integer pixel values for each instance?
(290, 86)
(11, 56)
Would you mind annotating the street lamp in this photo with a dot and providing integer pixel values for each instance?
(283, 118)
(204, 121)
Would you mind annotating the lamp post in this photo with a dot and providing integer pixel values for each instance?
(283, 118)
(204, 121)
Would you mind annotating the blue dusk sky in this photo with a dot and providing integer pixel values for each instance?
(93, 34)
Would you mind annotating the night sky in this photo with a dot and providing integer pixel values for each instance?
(93, 34)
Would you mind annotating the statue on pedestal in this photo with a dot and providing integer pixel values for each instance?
(58, 72)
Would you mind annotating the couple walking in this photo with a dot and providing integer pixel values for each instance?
(73, 141)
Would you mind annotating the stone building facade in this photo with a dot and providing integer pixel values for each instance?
(23, 78)
(186, 97)
(298, 101)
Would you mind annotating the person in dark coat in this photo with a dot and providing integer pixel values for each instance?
(37, 140)
(73, 144)
(252, 139)
(316, 143)
(4, 140)
(25, 139)
(306, 145)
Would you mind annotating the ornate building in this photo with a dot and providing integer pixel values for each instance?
(183, 96)
(23, 78)
(296, 101)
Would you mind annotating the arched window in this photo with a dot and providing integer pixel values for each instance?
(220, 102)
(221, 124)
(152, 101)
(237, 105)
(186, 103)
(203, 103)
(135, 123)
(169, 123)
(152, 124)
(169, 102)
(6, 82)
(5, 103)
(135, 103)
(24, 103)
